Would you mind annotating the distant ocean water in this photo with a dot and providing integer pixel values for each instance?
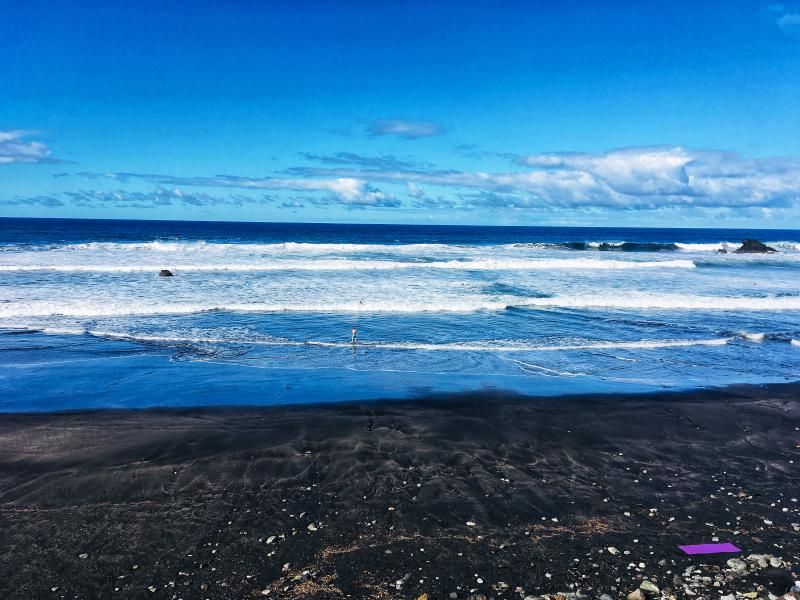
(262, 313)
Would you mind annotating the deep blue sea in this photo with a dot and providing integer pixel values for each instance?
(261, 313)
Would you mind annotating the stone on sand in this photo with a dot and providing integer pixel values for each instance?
(649, 587)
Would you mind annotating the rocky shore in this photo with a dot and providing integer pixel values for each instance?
(482, 496)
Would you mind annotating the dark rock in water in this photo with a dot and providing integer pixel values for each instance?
(722, 251)
(165, 273)
(753, 247)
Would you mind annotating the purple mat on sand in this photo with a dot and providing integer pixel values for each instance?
(709, 548)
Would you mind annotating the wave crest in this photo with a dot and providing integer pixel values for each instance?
(487, 264)
(503, 346)
(85, 309)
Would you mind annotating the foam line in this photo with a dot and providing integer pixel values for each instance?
(502, 346)
(498, 264)
(109, 308)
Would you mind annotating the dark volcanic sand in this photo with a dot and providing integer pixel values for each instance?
(182, 503)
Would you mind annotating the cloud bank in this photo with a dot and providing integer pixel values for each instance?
(628, 179)
(631, 178)
(346, 190)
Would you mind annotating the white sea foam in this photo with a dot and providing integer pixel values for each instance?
(314, 248)
(526, 366)
(254, 248)
(499, 264)
(731, 246)
(753, 337)
(598, 244)
(501, 346)
(795, 342)
(707, 247)
(110, 308)
(668, 302)
(131, 308)
(523, 347)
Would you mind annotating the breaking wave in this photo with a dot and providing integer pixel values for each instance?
(270, 248)
(498, 264)
(503, 346)
(110, 308)
(301, 248)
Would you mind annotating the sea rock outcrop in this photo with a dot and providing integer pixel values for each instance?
(165, 273)
(753, 247)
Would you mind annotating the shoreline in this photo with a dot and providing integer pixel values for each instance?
(456, 399)
(396, 499)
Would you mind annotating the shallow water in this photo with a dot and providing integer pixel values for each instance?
(262, 313)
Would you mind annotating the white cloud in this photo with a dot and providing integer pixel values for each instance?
(640, 178)
(157, 197)
(632, 178)
(655, 171)
(348, 190)
(414, 190)
(406, 129)
(789, 22)
(14, 148)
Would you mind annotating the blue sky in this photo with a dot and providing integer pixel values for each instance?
(579, 113)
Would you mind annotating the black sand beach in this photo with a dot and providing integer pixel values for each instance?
(483, 496)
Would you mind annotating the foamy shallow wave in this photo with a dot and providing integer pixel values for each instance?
(322, 248)
(505, 346)
(731, 246)
(110, 307)
(498, 264)
(669, 302)
(727, 246)
(270, 248)
(753, 337)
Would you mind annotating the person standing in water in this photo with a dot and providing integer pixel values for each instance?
(354, 336)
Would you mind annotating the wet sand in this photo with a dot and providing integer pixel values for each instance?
(480, 495)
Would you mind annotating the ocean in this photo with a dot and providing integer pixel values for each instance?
(261, 313)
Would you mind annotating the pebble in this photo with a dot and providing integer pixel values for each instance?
(649, 586)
